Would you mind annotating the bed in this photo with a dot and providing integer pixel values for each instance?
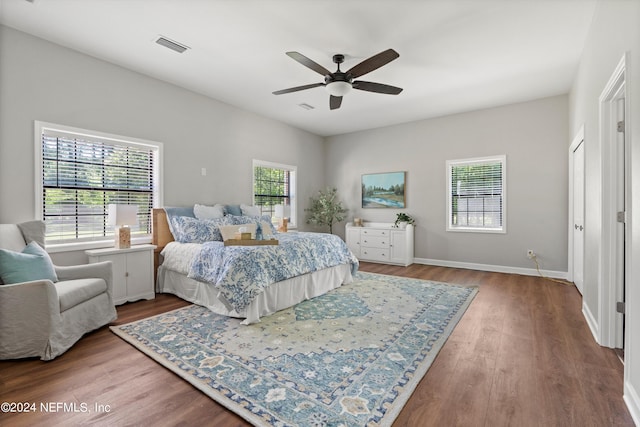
(209, 273)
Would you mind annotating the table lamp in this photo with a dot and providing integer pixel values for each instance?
(122, 216)
(283, 212)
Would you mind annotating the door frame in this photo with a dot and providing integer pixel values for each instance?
(577, 140)
(609, 277)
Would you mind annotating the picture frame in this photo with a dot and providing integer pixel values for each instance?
(384, 190)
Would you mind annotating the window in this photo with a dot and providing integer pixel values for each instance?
(81, 172)
(274, 184)
(476, 194)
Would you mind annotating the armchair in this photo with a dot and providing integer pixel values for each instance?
(44, 318)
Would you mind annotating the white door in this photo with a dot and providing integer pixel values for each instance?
(578, 215)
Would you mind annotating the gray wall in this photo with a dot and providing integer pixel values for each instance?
(43, 81)
(615, 30)
(533, 136)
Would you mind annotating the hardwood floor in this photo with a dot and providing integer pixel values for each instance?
(522, 355)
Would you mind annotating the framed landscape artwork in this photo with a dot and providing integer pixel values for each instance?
(383, 190)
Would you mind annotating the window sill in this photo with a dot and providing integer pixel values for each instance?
(82, 246)
(477, 230)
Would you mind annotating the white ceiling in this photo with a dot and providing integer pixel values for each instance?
(455, 56)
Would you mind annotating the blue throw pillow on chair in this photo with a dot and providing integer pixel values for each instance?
(33, 263)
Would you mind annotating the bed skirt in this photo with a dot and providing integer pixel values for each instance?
(276, 297)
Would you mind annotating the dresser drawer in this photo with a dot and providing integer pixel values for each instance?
(375, 241)
(375, 254)
(374, 232)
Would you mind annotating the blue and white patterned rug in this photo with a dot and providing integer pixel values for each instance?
(351, 357)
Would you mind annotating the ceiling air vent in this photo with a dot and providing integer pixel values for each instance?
(163, 41)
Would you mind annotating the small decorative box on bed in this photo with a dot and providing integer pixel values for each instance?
(201, 261)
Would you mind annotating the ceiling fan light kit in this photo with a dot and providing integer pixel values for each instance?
(339, 83)
(338, 88)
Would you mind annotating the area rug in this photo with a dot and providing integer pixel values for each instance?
(351, 357)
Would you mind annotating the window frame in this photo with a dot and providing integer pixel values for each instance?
(293, 177)
(476, 161)
(41, 127)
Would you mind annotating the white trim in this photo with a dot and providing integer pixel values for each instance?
(591, 321)
(478, 160)
(492, 268)
(97, 244)
(577, 140)
(632, 399)
(607, 249)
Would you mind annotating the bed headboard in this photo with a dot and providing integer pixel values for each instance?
(160, 234)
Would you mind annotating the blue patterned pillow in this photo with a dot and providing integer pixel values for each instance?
(191, 230)
(232, 210)
(33, 263)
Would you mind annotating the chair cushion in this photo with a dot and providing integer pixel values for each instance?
(33, 263)
(74, 292)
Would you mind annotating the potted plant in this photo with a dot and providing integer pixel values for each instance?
(326, 209)
(402, 219)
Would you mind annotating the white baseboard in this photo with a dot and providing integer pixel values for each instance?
(492, 268)
(632, 399)
(591, 322)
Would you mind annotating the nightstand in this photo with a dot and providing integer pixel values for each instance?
(132, 271)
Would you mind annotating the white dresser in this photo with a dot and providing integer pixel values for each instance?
(132, 271)
(381, 242)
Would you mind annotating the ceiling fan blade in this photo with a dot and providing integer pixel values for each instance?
(309, 63)
(376, 87)
(297, 88)
(373, 63)
(335, 102)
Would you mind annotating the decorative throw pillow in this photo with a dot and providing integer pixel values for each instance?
(250, 210)
(193, 230)
(33, 263)
(208, 212)
(232, 210)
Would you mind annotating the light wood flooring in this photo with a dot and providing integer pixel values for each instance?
(522, 355)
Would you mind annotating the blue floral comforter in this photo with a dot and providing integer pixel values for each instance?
(243, 272)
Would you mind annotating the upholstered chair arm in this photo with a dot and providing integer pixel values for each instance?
(102, 270)
(28, 312)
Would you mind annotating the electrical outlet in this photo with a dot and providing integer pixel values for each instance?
(530, 253)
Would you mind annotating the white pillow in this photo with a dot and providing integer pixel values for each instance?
(250, 210)
(208, 212)
(229, 231)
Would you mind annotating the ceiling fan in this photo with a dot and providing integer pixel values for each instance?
(340, 82)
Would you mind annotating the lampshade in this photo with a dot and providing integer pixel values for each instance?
(123, 215)
(338, 88)
(282, 211)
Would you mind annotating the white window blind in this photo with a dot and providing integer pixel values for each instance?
(83, 173)
(476, 194)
